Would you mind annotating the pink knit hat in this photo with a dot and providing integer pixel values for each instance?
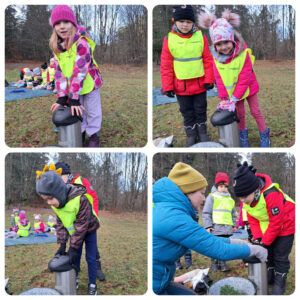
(63, 13)
(220, 29)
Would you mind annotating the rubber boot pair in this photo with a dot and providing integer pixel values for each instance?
(193, 133)
(264, 138)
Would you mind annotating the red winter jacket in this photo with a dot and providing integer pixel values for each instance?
(90, 190)
(281, 216)
(189, 86)
(247, 77)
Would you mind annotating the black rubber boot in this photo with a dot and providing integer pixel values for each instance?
(191, 133)
(202, 133)
(271, 275)
(214, 265)
(100, 274)
(178, 264)
(223, 266)
(279, 283)
(188, 260)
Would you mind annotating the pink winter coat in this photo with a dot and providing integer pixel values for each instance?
(246, 78)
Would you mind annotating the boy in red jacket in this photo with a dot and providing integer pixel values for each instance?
(68, 177)
(271, 215)
(187, 72)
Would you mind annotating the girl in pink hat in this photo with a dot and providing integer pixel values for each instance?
(233, 69)
(77, 74)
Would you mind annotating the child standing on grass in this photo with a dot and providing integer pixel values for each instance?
(14, 217)
(187, 72)
(219, 214)
(271, 215)
(76, 219)
(233, 68)
(77, 74)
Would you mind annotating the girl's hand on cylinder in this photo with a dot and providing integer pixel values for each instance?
(54, 107)
(210, 229)
(77, 110)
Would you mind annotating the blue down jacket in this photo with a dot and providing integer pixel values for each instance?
(175, 230)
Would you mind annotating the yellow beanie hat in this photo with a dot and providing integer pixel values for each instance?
(187, 178)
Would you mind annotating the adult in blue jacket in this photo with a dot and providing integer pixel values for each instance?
(176, 199)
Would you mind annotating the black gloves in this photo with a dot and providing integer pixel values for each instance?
(62, 100)
(170, 94)
(72, 255)
(61, 250)
(208, 86)
(73, 102)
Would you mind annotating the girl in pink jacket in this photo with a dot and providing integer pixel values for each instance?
(233, 69)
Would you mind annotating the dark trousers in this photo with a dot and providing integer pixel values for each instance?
(175, 288)
(90, 241)
(278, 253)
(193, 108)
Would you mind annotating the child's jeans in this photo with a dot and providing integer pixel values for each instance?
(175, 288)
(92, 116)
(90, 241)
(193, 108)
(254, 110)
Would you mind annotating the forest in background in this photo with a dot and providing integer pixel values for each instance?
(279, 166)
(269, 30)
(119, 179)
(119, 31)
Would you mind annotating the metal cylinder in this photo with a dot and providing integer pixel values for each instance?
(257, 273)
(229, 135)
(65, 282)
(70, 135)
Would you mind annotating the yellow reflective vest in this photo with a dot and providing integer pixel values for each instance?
(68, 213)
(66, 62)
(260, 212)
(23, 230)
(51, 75)
(37, 225)
(187, 54)
(230, 72)
(222, 209)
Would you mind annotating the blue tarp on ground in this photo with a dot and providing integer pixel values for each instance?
(158, 98)
(240, 234)
(31, 239)
(14, 93)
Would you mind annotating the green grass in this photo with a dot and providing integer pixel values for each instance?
(122, 242)
(237, 268)
(276, 99)
(28, 122)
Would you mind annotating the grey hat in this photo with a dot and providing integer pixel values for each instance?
(50, 183)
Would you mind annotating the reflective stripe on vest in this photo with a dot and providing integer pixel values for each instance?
(187, 54)
(230, 72)
(222, 209)
(244, 214)
(23, 230)
(66, 62)
(68, 213)
(260, 212)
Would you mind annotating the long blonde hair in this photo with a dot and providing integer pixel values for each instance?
(55, 40)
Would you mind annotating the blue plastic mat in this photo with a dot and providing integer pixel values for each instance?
(158, 98)
(240, 234)
(14, 94)
(31, 239)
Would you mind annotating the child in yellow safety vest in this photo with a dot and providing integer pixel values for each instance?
(38, 224)
(77, 75)
(23, 225)
(233, 69)
(271, 215)
(14, 217)
(76, 219)
(218, 214)
(187, 72)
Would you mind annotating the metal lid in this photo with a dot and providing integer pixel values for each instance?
(63, 117)
(223, 117)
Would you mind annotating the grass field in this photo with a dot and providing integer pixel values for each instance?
(237, 269)
(276, 100)
(28, 122)
(122, 242)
